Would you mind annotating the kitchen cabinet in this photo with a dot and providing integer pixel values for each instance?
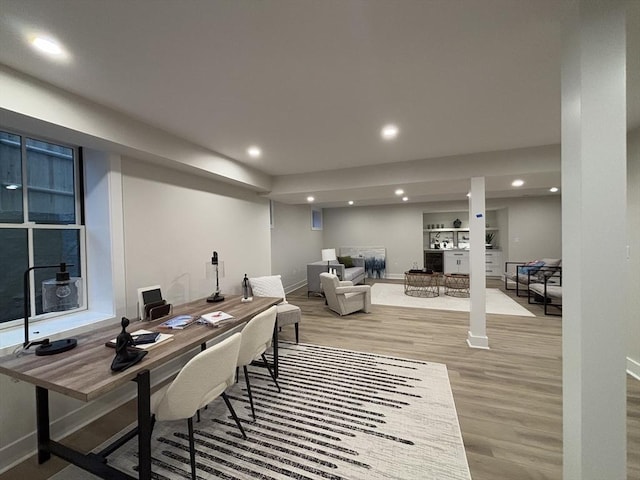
(456, 261)
(493, 263)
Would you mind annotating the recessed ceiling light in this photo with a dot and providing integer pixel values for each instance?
(310, 199)
(517, 183)
(12, 186)
(389, 132)
(399, 192)
(350, 202)
(469, 194)
(47, 45)
(553, 189)
(254, 152)
(405, 199)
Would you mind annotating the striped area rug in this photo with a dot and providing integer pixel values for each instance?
(340, 415)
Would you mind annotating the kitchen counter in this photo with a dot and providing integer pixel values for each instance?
(456, 260)
(436, 250)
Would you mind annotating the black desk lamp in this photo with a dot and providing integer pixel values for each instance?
(63, 291)
(216, 297)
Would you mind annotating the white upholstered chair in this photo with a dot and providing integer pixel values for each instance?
(256, 338)
(271, 286)
(204, 378)
(345, 297)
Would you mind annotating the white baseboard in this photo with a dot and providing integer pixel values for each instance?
(295, 286)
(633, 368)
(476, 341)
(395, 276)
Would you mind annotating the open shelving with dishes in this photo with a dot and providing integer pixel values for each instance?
(454, 226)
(446, 241)
(448, 238)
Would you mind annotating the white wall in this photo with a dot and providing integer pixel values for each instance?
(633, 232)
(174, 221)
(398, 228)
(530, 228)
(293, 244)
(535, 228)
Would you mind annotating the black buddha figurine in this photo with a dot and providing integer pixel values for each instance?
(126, 356)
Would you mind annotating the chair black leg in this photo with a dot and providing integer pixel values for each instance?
(273, 377)
(198, 415)
(246, 378)
(153, 423)
(233, 414)
(192, 449)
(295, 325)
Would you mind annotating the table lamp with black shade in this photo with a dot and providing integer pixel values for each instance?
(58, 295)
(216, 297)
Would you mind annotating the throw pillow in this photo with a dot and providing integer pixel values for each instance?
(531, 267)
(268, 286)
(347, 261)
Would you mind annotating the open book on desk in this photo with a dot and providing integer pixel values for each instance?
(162, 338)
(215, 318)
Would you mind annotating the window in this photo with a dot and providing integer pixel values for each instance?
(316, 219)
(39, 218)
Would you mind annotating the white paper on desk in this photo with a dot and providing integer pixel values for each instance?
(148, 346)
(214, 318)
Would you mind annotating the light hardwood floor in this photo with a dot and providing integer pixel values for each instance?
(508, 398)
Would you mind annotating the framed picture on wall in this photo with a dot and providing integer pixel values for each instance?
(316, 219)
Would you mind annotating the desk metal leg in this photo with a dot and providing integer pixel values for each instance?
(275, 350)
(144, 424)
(42, 424)
(46, 447)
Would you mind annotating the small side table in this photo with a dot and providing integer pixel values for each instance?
(456, 284)
(422, 284)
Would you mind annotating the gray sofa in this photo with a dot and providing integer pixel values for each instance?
(355, 274)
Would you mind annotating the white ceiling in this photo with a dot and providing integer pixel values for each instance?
(313, 82)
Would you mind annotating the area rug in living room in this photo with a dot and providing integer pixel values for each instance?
(340, 415)
(393, 294)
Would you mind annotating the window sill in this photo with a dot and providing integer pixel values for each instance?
(54, 329)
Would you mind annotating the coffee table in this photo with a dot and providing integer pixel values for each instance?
(422, 284)
(456, 284)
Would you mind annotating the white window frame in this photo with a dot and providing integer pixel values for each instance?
(316, 225)
(31, 226)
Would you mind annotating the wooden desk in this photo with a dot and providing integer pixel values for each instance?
(84, 373)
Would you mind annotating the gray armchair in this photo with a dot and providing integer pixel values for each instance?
(355, 274)
(343, 297)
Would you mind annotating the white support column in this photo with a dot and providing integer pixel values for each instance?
(477, 336)
(593, 197)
